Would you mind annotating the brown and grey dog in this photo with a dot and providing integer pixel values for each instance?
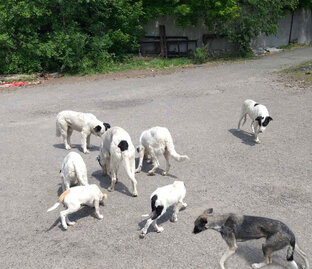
(236, 228)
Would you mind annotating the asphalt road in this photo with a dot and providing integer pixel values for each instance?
(227, 171)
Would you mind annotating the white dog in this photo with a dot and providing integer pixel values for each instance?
(154, 142)
(161, 199)
(116, 149)
(73, 171)
(85, 123)
(75, 197)
(259, 117)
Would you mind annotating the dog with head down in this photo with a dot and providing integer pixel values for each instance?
(86, 123)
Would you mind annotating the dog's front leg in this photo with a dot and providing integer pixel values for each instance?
(84, 143)
(88, 140)
(227, 255)
(257, 140)
(176, 210)
(113, 177)
(252, 127)
(97, 209)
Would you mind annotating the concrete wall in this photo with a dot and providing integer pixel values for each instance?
(301, 32)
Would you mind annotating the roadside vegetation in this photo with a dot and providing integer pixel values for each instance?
(95, 36)
(301, 73)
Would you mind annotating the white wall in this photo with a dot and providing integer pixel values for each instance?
(301, 32)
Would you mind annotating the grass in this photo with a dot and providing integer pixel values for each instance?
(301, 73)
(293, 46)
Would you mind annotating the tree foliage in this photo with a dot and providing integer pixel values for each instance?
(66, 35)
(239, 20)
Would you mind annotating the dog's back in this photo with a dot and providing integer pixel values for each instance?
(253, 227)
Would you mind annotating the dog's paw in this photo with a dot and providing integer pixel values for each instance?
(86, 151)
(160, 229)
(110, 189)
(258, 141)
(68, 147)
(71, 223)
(164, 173)
(256, 265)
(135, 194)
(138, 170)
(150, 173)
(142, 234)
(174, 219)
(100, 216)
(65, 227)
(184, 204)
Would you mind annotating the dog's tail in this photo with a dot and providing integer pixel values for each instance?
(59, 201)
(302, 255)
(57, 130)
(174, 154)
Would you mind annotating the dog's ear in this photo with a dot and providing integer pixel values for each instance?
(97, 128)
(208, 211)
(106, 125)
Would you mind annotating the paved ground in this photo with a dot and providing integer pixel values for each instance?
(227, 170)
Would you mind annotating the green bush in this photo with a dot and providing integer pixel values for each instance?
(201, 55)
(71, 36)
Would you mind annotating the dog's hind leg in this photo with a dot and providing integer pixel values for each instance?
(155, 163)
(70, 223)
(113, 177)
(141, 151)
(130, 169)
(166, 155)
(64, 130)
(243, 116)
(69, 133)
(64, 213)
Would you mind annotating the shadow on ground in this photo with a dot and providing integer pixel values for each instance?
(148, 166)
(78, 146)
(246, 138)
(105, 182)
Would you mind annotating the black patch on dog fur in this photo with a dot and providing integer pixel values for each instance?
(97, 128)
(106, 125)
(258, 119)
(153, 201)
(256, 104)
(266, 121)
(123, 145)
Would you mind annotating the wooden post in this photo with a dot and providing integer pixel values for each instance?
(163, 42)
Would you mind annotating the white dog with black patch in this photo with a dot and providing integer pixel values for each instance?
(154, 142)
(259, 115)
(73, 171)
(116, 149)
(75, 197)
(161, 199)
(85, 123)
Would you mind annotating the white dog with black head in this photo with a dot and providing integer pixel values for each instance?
(161, 199)
(259, 115)
(86, 123)
(73, 171)
(154, 142)
(117, 149)
(75, 197)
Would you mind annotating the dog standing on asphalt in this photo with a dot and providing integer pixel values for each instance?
(235, 228)
(161, 199)
(154, 142)
(75, 197)
(73, 170)
(116, 149)
(85, 123)
(259, 117)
